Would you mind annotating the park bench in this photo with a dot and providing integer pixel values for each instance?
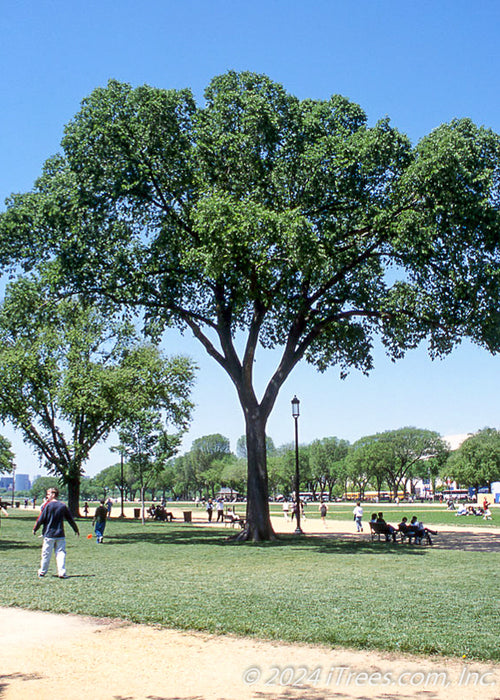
(378, 529)
(408, 535)
(234, 519)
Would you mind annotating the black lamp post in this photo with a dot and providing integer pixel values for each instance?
(13, 484)
(122, 514)
(121, 450)
(296, 414)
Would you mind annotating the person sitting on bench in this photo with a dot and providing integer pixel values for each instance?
(232, 517)
(387, 529)
(404, 528)
(420, 531)
(161, 514)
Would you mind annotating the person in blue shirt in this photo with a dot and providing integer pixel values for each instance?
(51, 520)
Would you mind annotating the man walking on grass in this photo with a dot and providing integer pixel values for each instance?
(99, 521)
(52, 519)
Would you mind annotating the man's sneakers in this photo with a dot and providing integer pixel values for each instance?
(41, 574)
(62, 575)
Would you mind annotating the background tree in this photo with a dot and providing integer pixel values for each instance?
(284, 468)
(476, 463)
(327, 462)
(208, 455)
(185, 481)
(40, 486)
(165, 480)
(7, 457)
(367, 461)
(359, 470)
(280, 474)
(107, 480)
(234, 475)
(241, 447)
(88, 491)
(262, 218)
(399, 452)
(69, 374)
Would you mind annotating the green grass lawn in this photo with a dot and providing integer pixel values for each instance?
(317, 590)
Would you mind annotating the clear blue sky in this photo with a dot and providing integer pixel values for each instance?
(421, 63)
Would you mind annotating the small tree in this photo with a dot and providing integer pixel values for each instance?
(148, 447)
(69, 374)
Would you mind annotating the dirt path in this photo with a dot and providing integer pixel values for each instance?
(46, 657)
(466, 537)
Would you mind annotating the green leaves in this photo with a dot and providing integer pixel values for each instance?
(477, 460)
(396, 455)
(261, 208)
(7, 463)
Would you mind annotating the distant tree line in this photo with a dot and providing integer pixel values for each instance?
(392, 461)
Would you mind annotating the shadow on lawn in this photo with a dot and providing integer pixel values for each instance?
(323, 545)
(16, 544)
(331, 543)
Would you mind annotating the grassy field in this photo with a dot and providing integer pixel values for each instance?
(317, 590)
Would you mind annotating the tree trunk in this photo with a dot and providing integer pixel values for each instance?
(73, 484)
(258, 523)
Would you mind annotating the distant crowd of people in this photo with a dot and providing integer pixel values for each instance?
(479, 511)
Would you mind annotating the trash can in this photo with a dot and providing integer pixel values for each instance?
(187, 516)
(18, 504)
(137, 512)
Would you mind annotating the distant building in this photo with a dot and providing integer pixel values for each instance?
(454, 441)
(6, 482)
(23, 482)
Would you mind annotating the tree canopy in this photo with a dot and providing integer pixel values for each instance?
(260, 218)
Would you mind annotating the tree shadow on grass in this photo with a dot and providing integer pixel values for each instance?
(17, 544)
(323, 545)
(179, 533)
